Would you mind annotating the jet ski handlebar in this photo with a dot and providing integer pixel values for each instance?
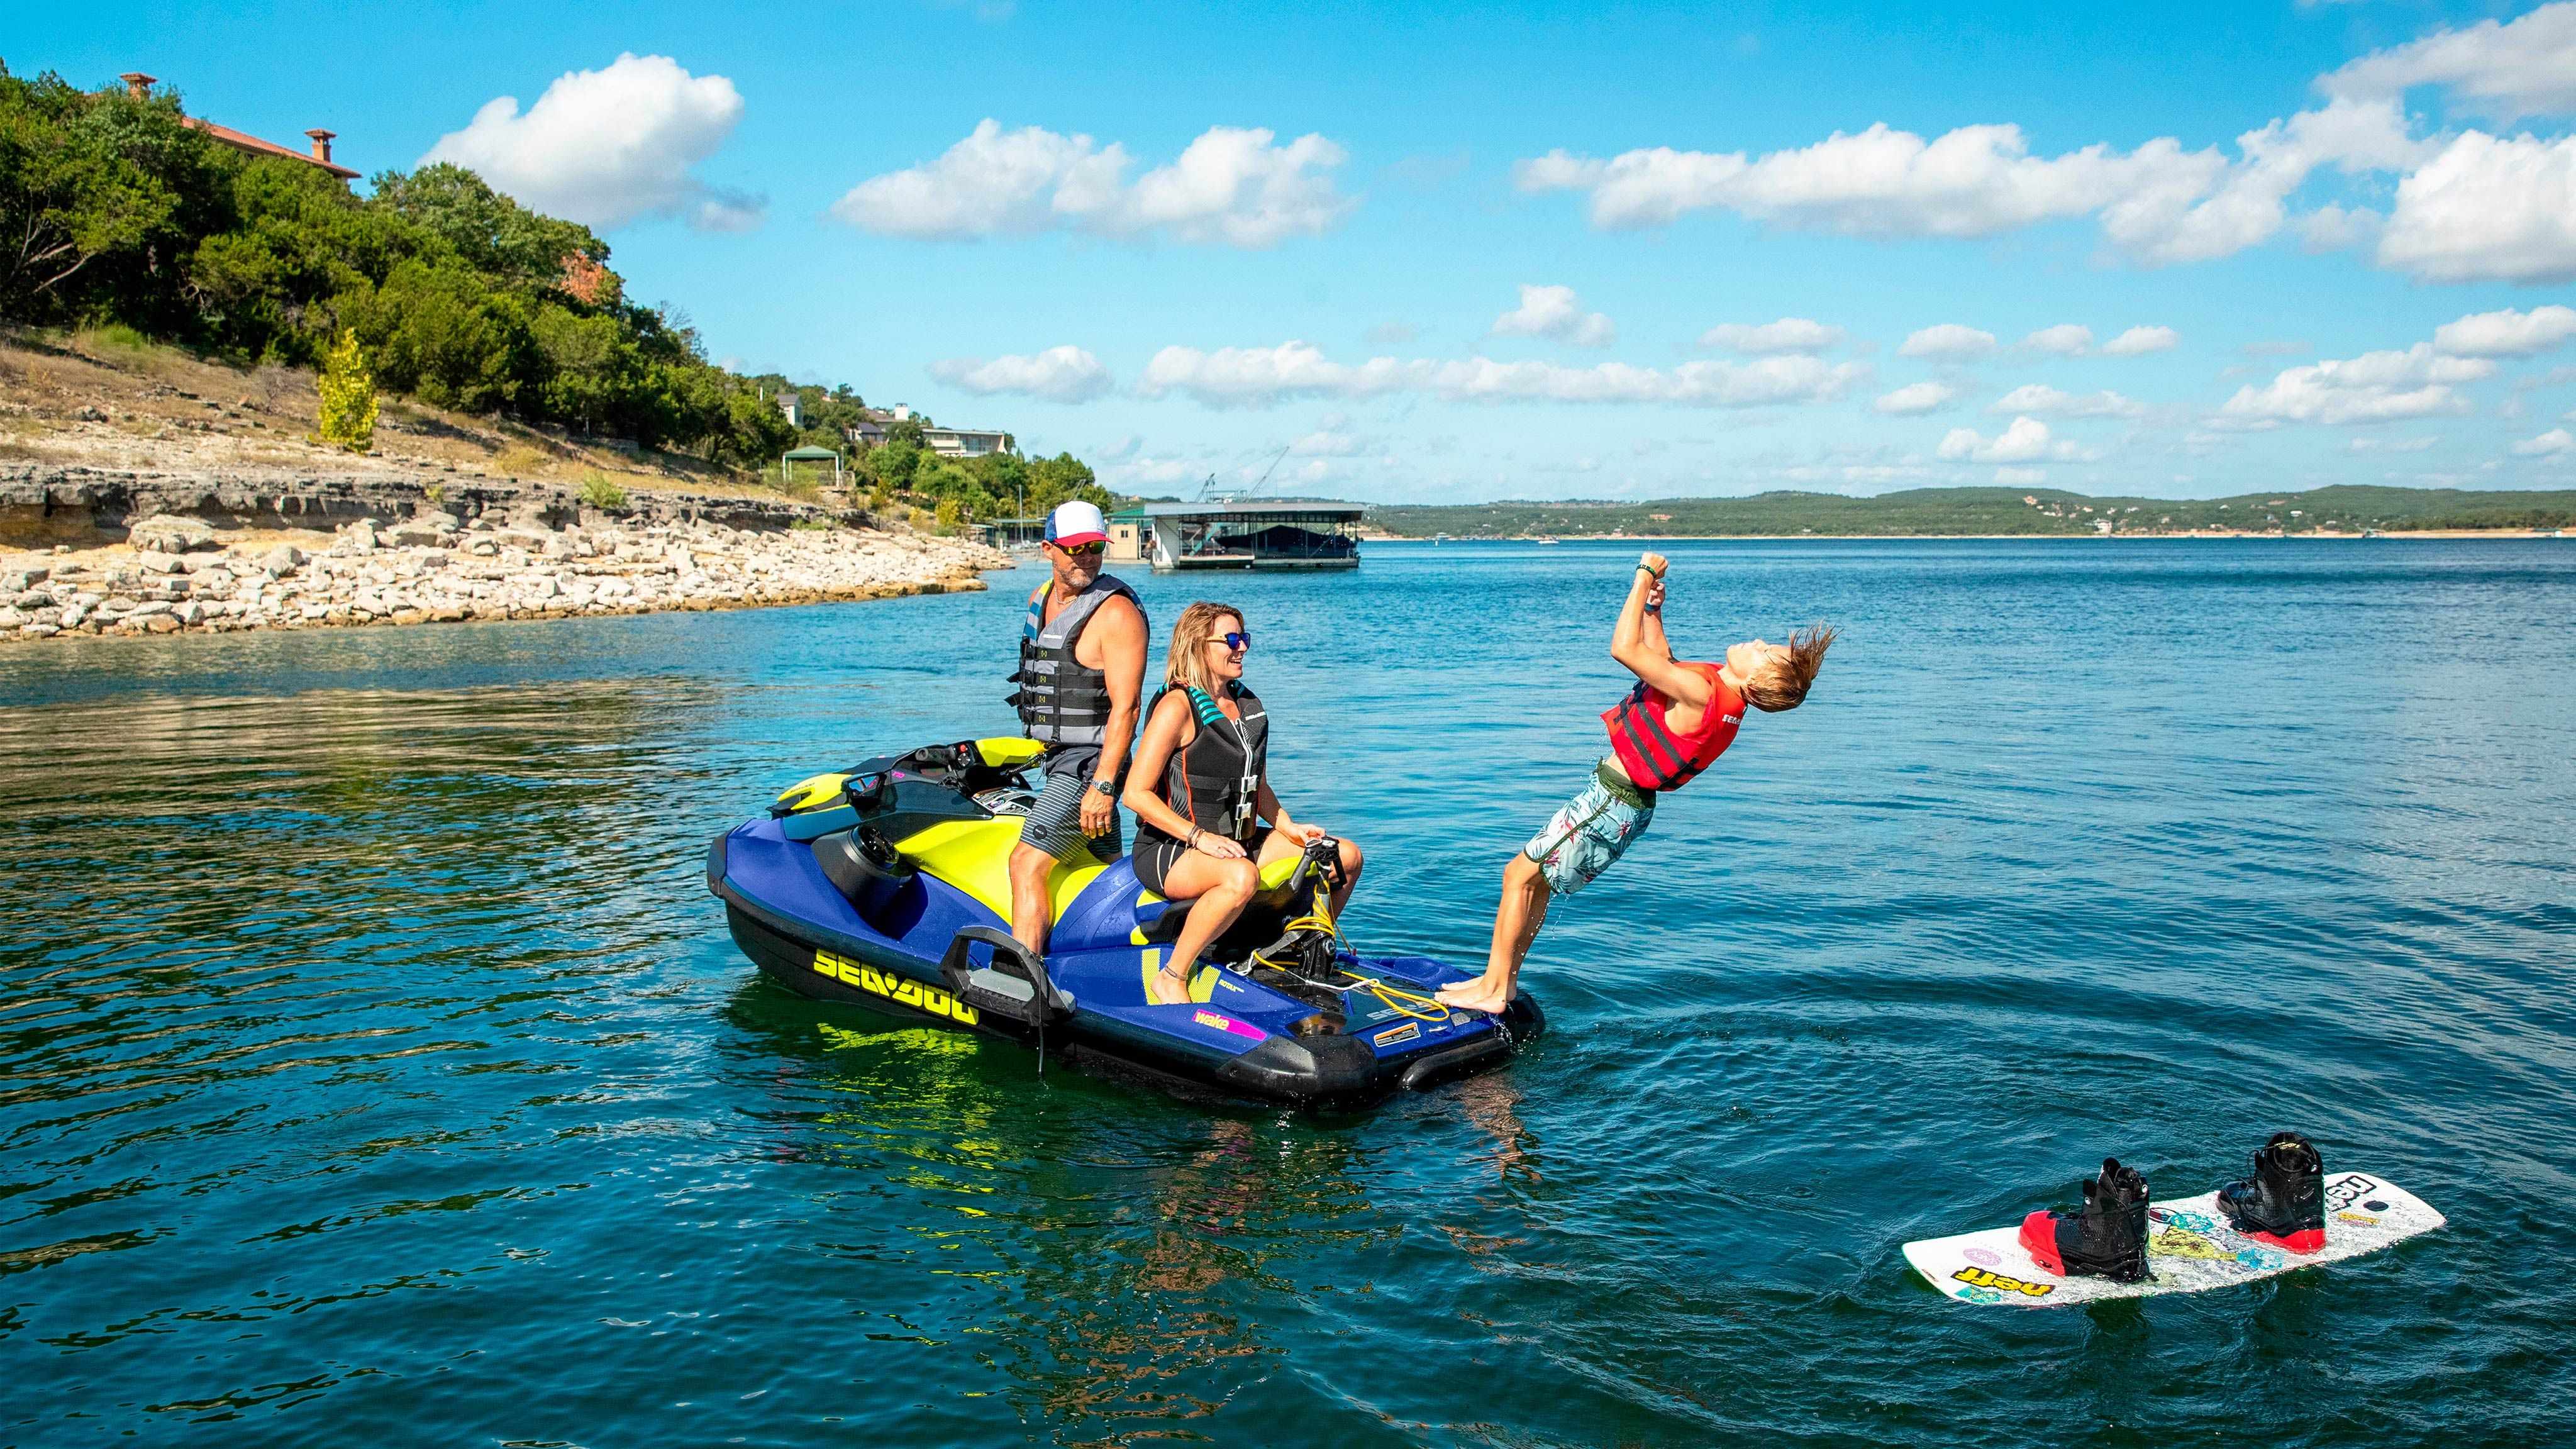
(1322, 858)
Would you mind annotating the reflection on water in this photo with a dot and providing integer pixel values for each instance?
(373, 1064)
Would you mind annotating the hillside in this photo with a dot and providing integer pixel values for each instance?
(106, 400)
(1929, 512)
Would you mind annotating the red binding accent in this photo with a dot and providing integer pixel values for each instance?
(2039, 1239)
(2305, 1240)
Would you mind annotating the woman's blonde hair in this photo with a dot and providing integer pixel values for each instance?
(1187, 667)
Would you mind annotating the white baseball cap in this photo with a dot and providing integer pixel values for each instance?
(1075, 523)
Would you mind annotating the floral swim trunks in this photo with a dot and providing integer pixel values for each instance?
(1591, 830)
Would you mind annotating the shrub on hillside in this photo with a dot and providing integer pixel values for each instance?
(348, 416)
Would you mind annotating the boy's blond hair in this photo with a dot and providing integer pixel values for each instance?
(1784, 685)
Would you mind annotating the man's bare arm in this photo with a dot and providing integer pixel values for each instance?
(1122, 663)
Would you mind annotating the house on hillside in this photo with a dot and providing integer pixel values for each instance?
(967, 442)
(140, 86)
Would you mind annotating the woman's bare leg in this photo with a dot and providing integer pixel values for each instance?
(1221, 888)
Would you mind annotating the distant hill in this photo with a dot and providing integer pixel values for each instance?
(1924, 512)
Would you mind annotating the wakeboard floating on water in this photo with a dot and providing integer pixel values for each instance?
(2190, 1249)
(887, 885)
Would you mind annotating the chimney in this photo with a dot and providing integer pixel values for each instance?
(322, 144)
(137, 84)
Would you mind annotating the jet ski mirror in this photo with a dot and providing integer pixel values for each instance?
(867, 791)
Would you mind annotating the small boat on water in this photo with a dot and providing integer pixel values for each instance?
(886, 885)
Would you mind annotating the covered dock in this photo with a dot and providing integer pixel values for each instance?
(1273, 533)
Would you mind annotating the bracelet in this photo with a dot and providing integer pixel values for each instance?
(1193, 842)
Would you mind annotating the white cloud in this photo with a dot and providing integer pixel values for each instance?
(2376, 387)
(2335, 227)
(2158, 203)
(2036, 397)
(2139, 341)
(1948, 339)
(1059, 374)
(1232, 186)
(1326, 443)
(1789, 334)
(605, 147)
(1553, 312)
(2548, 444)
(2489, 208)
(2523, 67)
(2507, 333)
(1915, 399)
(2390, 445)
(2025, 441)
(2066, 339)
(2243, 204)
(1261, 376)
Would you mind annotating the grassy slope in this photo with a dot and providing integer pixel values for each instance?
(103, 401)
(1927, 511)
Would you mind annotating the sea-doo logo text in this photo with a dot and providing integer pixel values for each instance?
(900, 990)
(2343, 1192)
(1980, 1278)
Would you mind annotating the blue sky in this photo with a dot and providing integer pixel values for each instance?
(1446, 255)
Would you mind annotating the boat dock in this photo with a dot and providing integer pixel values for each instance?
(1273, 533)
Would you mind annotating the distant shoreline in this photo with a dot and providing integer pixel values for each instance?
(2386, 533)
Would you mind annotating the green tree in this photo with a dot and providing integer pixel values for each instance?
(70, 195)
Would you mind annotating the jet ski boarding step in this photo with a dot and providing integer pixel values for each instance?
(1014, 986)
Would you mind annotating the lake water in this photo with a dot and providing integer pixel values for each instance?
(374, 1067)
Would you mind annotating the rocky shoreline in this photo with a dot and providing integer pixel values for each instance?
(505, 554)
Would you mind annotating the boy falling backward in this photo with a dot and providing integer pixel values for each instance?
(1681, 716)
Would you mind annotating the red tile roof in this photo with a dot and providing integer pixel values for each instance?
(243, 141)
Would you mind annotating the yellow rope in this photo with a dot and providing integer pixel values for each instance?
(1392, 997)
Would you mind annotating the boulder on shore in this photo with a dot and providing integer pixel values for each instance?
(171, 533)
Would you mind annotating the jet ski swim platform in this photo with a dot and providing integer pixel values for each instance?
(886, 886)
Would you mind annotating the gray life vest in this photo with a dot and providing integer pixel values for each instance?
(1060, 701)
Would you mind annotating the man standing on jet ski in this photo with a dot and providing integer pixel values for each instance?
(1676, 722)
(1082, 667)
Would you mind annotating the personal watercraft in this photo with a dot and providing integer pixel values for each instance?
(887, 885)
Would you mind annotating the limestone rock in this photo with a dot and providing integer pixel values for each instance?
(283, 559)
(171, 533)
(435, 530)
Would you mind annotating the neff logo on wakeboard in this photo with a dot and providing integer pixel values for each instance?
(2343, 1192)
(1980, 1278)
(898, 989)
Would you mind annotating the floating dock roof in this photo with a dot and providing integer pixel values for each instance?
(1267, 533)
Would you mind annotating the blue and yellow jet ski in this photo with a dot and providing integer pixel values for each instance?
(887, 885)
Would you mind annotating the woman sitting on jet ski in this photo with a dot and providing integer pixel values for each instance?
(1201, 786)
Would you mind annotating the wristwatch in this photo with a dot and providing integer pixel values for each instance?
(1106, 787)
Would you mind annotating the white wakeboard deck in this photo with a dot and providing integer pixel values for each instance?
(2190, 1248)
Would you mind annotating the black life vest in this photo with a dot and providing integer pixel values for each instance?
(1060, 701)
(1215, 780)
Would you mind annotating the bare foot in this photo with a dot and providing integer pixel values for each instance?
(1477, 995)
(1169, 989)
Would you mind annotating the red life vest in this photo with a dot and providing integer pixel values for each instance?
(1654, 757)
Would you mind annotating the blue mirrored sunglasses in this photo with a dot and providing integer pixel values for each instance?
(1238, 642)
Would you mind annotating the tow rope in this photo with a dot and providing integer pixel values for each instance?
(1394, 998)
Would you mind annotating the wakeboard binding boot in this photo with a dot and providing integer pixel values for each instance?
(2284, 1203)
(2107, 1238)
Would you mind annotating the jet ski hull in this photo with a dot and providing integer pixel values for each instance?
(1238, 1037)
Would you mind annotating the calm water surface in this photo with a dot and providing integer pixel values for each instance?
(375, 1068)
